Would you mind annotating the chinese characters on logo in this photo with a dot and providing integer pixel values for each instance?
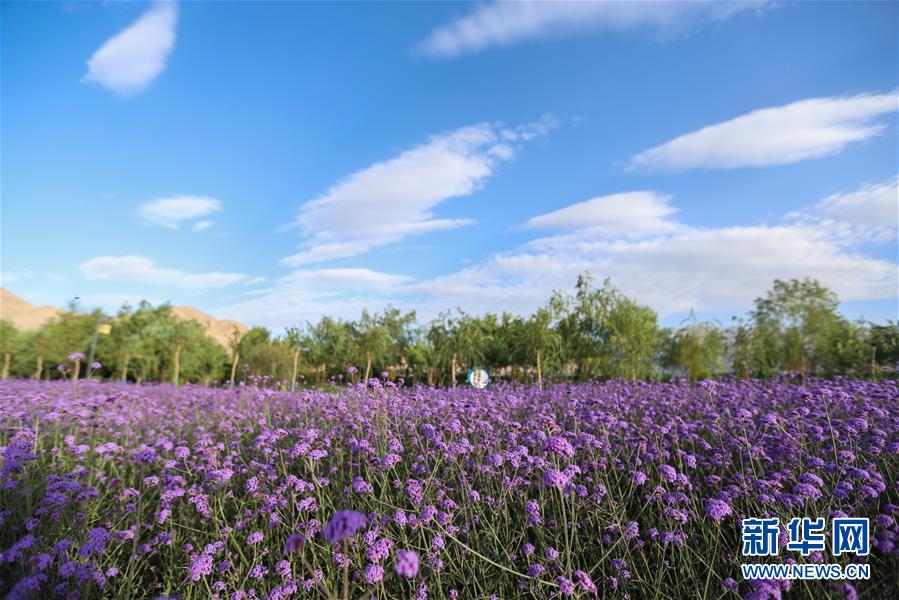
(848, 536)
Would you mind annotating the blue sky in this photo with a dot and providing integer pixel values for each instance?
(273, 162)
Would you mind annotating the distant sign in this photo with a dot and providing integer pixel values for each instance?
(478, 378)
(104, 328)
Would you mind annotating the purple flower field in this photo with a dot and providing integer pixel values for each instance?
(630, 490)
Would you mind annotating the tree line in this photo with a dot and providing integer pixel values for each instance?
(592, 332)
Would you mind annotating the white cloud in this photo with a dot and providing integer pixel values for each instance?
(507, 23)
(202, 225)
(340, 279)
(674, 267)
(775, 136)
(129, 61)
(867, 215)
(625, 214)
(170, 212)
(394, 199)
(309, 294)
(702, 269)
(143, 270)
(671, 266)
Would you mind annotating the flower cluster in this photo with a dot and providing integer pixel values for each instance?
(602, 489)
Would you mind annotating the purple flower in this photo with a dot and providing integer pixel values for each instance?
(362, 487)
(295, 541)
(555, 478)
(379, 550)
(255, 538)
(566, 586)
(76, 356)
(585, 582)
(95, 365)
(344, 524)
(668, 472)
(200, 566)
(407, 563)
(258, 572)
(558, 446)
(717, 509)
(373, 573)
(536, 570)
(96, 542)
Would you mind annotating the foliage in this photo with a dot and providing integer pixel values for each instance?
(593, 333)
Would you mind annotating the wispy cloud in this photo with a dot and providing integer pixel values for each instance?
(671, 266)
(128, 62)
(616, 215)
(394, 199)
(507, 23)
(868, 215)
(171, 212)
(307, 294)
(678, 267)
(202, 225)
(775, 136)
(143, 270)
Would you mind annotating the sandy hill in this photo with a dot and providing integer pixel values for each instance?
(220, 330)
(28, 317)
(22, 313)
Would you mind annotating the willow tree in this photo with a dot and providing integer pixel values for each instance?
(294, 339)
(459, 340)
(696, 348)
(797, 320)
(37, 344)
(234, 350)
(10, 342)
(371, 338)
(538, 339)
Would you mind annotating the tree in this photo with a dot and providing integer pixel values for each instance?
(459, 340)
(10, 342)
(634, 337)
(605, 333)
(234, 348)
(68, 332)
(371, 338)
(696, 348)
(294, 340)
(539, 340)
(583, 325)
(799, 322)
(884, 340)
(36, 345)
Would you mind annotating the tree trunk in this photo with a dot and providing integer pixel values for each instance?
(430, 376)
(6, 358)
(367, 365)
(539, 370)
(40, 367)
(125, 366)
(234, 366)
(177, 365)
(454, 369)
(293, 374)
